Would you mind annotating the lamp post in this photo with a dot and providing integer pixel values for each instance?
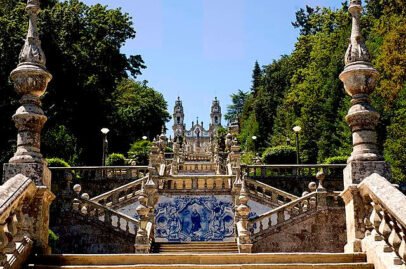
(297, 129)
(254, 139)
(104, 132)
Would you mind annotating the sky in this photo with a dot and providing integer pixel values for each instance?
(199, 49)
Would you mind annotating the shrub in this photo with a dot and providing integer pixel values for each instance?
(279, 155)
(139, 151)
(247, 157)
(57, 162)
(115, 159)
(336, 160)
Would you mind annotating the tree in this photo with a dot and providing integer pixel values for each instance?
(256, 78)
(82, 44)
(237, 104)
(139, 111)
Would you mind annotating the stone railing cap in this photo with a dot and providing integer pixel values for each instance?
(390, 198)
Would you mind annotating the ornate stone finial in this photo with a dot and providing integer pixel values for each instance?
(32, 51)
(359, 78)
(357, 51)
(30, 80)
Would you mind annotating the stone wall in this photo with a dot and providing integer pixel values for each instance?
(79, 236)
(322, 232)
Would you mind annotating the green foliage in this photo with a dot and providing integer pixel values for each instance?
(57, 162)
(83, 48)
(336, 160)
(237, 104)
(139, 151)
(279, 155)
(59, 141)
(115, 159)
(247, 157)
(395, 145)
(52, 236)
(137, 104)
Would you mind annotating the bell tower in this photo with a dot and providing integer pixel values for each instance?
(178, 119)
(215, 114)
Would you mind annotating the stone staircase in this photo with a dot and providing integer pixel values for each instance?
(203, 261)
(197, 247)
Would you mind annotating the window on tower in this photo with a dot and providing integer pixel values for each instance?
(178, 120)
(216, 119)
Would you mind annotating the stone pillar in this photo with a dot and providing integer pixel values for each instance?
(30, 80)
(141, 239)
(359, 78)
(243, 233)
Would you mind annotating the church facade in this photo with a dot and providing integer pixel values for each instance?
(197, 138)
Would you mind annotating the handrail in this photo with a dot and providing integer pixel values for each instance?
(291, 170)
(103, 172)
(115, 193)
(17, 192)
(105, 215)
(196, 182)
(387, 217)
(268, 192)
(141, 167)
(283, 213)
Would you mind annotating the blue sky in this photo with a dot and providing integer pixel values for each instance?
(199, 49)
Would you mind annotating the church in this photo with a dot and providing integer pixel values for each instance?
(197, 139)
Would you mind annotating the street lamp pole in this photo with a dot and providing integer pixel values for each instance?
(254, 138)
(297, 129)
(104, 132)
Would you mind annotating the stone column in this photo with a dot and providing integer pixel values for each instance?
(359, 78)
(243, 233)
(141, 239)
(30, 80)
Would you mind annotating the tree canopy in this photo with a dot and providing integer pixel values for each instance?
(303, 88)
(82, 44)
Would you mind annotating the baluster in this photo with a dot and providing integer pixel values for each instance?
(402, 246)
(261, 226)
(12, 229)
(375, 219)
(183, 184)
(384, 228)
(214, 183)
(394, 238)
(174, 185)
(3, 242)
(280, 216)
(270, 221)
(205, 183)
(119, 222)
(107, 217)
(223, 184)
(127, 227)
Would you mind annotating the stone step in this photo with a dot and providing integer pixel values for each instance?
(217, 247)
(229, 266)
(194, 260)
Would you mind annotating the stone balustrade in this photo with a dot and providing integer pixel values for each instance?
(121, 194)
(307, 204)
(196, 167)
(264, 192)
(281, 214)
(385, 221)
(294, 178)
(96, 213)
(15, 226)
(198, 157)
(102, 172)
(210, 183)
